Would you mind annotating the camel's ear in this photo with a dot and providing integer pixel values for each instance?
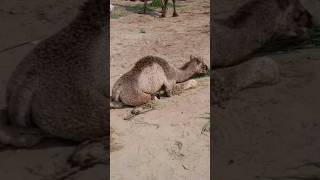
(191, 57)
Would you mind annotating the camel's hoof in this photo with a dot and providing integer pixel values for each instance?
(129, 116)
(175, 15)
(89, 153)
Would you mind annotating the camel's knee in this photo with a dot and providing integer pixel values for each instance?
(169, 87)
(20, 137)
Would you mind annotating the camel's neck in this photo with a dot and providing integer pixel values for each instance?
(232, 46)
(184, 74)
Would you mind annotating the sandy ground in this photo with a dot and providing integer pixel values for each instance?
(272, 132)
(165, 143)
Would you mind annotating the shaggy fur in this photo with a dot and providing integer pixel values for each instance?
(60, 87)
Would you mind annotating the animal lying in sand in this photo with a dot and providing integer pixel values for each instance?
(151, 74)
(60, 88)
(238, 37)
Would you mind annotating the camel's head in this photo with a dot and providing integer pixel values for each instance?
(200, 68)
(294, 20)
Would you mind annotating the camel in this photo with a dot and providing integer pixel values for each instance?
(237, 38)
(164, 8)
(149, 76)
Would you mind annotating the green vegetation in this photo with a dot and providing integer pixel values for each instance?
(118, 13)
(205, 75)
(157, 4)
(142, 30)
(151, 7)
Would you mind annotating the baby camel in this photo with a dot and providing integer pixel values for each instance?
(152, 74)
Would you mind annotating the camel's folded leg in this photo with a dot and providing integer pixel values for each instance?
(18, 136)
(140, 110)
(176, 90)
(90, 153)
(259, 71)
(181, 87)
(190, 84)
(85, 156)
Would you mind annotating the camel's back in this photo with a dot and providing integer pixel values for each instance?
(148, 61)
(151, 78)
(153, 73)
(71, 101)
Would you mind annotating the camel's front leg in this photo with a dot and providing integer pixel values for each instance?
(169, 87)
(164, 8)
(256, 72)
(181, 87)
(174, 8)
(145, 7)
(140, 110)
